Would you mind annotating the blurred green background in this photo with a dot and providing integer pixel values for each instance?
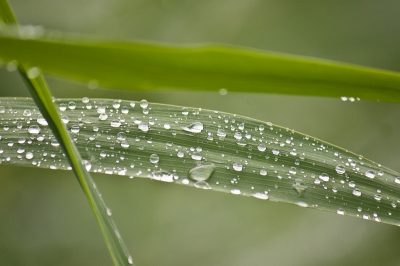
(46, 220)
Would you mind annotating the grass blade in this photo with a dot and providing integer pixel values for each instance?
(205, 149)
(41, 94)
(131, 65)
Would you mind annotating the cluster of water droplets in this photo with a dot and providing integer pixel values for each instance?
(202, 148)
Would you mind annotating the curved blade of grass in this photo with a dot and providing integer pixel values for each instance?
(205, 149)
(42, 96)
(131, 65)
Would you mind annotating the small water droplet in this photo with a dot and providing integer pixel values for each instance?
(115, 123)
(340, 212)
(237, 167)
(144, 103)
(261, 147)
(324, 177)
(75, 129)
(42, 121)
(263, 172)
(29, 155)
(27, 112)
(154, 158)
(356, 192)
(340, 169)
(299, 187)
(223, 92)
(221, 133)
(235, 191)
(72, 105)
(258, 195)
(162, 175)
(185, 111)
(34, 129)
(370, 173)
(143, 127)
(85, 100)
(33, 73)
(275, 152)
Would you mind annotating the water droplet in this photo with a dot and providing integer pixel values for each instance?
(340, 212)
(144, 103)
(238, 167)
(34, 129)
(42, 121)
(275, 152)
(33, 73)
(261, 147)
(258, 195)
(29, 155)
(101, 110)
(75, 129)
(185, 111)
(357, 192)
(223, 92)
(340, 169)
(221, 133)
(370, 173)
(378, 197)
(167, 126)
(72, 105)
(237, 135)
(397, 180)
(115, 123)
(302, 204)
(143, 127)
(299, 187)
(324, 177)
(87, 165)
(93, 84)
(235, 191)
(263, 172)
(162, 175)
(116, 104)
(201, 172)
(85, 100)
(343, 98)
(2, 109)
(132, 104)
(154, 158)
(195, 127)
(27, 112)
(293, 170)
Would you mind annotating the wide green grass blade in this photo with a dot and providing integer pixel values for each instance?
(42, 96)
(205, 149)
(130, 65)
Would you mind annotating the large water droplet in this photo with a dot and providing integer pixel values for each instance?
(195, 127)
(201, 172)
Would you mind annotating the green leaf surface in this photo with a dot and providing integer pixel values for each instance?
(130, 65)
(205, 149)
